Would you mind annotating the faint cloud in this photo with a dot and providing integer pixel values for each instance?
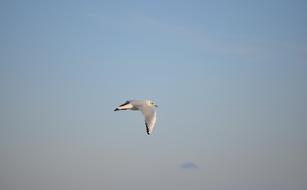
(184, 36)
(188, 166)
(193, 37)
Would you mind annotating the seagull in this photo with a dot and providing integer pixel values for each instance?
(147, 107)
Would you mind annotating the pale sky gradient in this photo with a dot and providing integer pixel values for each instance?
(229, 78)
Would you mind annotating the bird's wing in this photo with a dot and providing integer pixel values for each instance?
(127, 102)
(150, 118)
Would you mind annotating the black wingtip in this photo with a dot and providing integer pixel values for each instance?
(116, 109)
(127, 102)
(147, 129)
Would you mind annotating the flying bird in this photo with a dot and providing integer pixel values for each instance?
(147, 107)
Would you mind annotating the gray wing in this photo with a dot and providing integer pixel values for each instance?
(150, 118)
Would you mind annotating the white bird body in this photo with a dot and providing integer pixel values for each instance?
(147, 107)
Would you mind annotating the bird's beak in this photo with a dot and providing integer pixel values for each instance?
(156, 106)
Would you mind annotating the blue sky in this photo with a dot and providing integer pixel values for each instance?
(229, 78)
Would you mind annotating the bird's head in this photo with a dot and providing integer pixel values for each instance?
(151, 103)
